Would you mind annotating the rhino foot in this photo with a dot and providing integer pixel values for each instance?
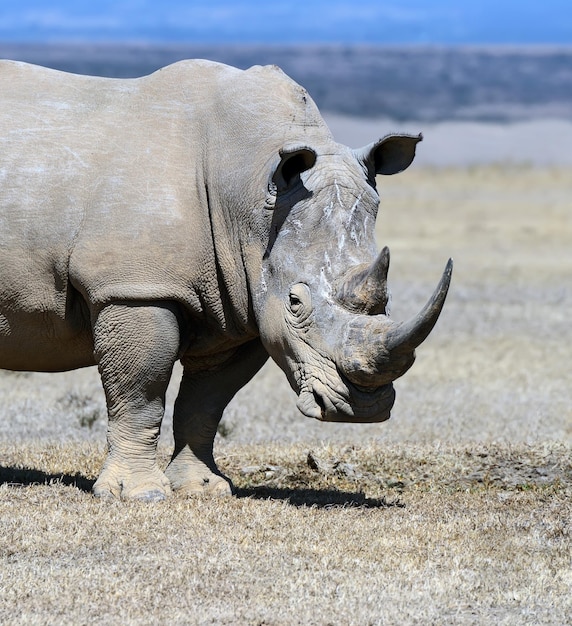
(196, 479)
(211, 487)
(150, 486)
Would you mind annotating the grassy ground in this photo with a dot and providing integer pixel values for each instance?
(456, 511)
(333, 535)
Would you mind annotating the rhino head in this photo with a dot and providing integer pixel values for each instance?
(323, 295)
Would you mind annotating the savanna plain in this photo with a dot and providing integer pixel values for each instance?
(458, 510)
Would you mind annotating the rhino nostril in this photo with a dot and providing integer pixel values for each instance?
(319, 401)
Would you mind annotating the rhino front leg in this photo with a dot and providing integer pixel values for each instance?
(136, 345)
(202, 398)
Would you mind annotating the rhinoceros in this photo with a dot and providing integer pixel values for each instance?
(203, 214)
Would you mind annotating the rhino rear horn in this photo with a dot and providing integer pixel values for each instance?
(405, 337)
(365, 291)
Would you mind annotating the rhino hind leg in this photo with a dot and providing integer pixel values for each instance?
(136, 345)
(202, 398)
(192, 470)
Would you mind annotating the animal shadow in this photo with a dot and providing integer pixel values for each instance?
(25, 477)
(318, 498)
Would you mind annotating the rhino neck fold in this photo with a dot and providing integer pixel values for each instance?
(233, 305)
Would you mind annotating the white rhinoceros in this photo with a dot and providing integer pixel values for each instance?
(201, 213)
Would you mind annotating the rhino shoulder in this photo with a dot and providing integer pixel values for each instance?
(181, 72)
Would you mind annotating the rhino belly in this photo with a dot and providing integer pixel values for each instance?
(42, 342)
(44, 322)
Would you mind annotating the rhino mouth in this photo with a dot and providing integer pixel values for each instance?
(349, 403)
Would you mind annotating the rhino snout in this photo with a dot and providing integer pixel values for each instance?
(374, 350)
(326, 404)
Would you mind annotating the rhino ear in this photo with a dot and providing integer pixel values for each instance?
(293, 161)
(390, 155)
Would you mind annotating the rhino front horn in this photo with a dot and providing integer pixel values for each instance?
(405, 337)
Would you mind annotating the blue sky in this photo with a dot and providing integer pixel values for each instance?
(307, 21)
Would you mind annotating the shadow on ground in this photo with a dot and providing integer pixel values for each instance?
(26, 477)
(320, 498)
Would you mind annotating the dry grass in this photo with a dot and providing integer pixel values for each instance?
(414, 534)
(456, 511)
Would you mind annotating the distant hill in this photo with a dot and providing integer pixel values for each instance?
(400, 83)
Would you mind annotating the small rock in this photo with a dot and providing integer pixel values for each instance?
(348, 470)
(318, 465)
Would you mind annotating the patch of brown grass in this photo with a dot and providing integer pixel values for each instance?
(329, 534)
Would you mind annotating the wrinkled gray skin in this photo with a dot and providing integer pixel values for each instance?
(202, 213)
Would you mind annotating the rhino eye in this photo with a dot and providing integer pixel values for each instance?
(299, 300)
(295, 303)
